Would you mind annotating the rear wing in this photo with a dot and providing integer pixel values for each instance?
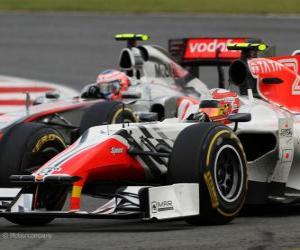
(207, 51)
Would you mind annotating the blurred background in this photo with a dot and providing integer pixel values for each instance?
(71, 41)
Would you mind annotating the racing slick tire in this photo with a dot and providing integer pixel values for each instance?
(23, 149)
(211, 154)
(106, 113)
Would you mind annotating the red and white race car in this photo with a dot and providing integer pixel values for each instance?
(199, 170)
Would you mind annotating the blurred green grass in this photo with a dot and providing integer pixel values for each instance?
(146, 6)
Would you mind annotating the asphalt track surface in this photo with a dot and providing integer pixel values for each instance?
(72, 49)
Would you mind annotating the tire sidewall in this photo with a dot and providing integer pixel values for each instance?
(108, 112)
(21, 141)
(217, 139)
(41, 140)
(122, 114)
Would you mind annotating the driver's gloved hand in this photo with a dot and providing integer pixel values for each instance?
(91, 91)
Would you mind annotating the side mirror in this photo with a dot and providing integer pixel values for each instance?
(131, 95)
(239, 117)
(148, 116)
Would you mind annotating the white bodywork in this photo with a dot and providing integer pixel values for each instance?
(278, 165)
(159, 79)
(174, 201)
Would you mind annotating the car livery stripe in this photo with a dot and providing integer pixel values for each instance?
(147, 162)
(160, 133)
(145, 132)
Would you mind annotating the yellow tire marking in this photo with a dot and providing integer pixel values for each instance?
(234, 213)
(44, 139)
(211, 144)
(211, 189)
(119, 112)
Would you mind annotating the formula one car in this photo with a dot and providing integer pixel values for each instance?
(200, 170)
(155, 79)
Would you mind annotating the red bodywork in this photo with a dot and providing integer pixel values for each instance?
(105, 161)
(284, 72)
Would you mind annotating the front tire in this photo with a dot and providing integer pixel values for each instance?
(50, 198)
(26, 147)
(210, 154)
(23, 149)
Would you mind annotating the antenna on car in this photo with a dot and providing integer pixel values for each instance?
(27, 102)
(132, 38)
(123, 110)
(220, 70)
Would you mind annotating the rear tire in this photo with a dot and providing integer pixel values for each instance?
(210, 154)
(108, 112)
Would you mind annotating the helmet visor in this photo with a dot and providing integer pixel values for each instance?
(112, 87)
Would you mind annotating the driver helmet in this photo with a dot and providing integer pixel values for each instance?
(112, 82)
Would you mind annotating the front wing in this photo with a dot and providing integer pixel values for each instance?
(163, 202)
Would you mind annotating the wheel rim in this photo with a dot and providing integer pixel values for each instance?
(123, 118)
(228, 173)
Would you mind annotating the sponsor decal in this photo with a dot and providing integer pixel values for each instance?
(287, 155)
(258, 66)
(207, 48)
(211, 189)
(286, 132)
(44, 139)
(160, 206)
(290, 63)
(296, 86)
(116, 150)
(49, 170)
